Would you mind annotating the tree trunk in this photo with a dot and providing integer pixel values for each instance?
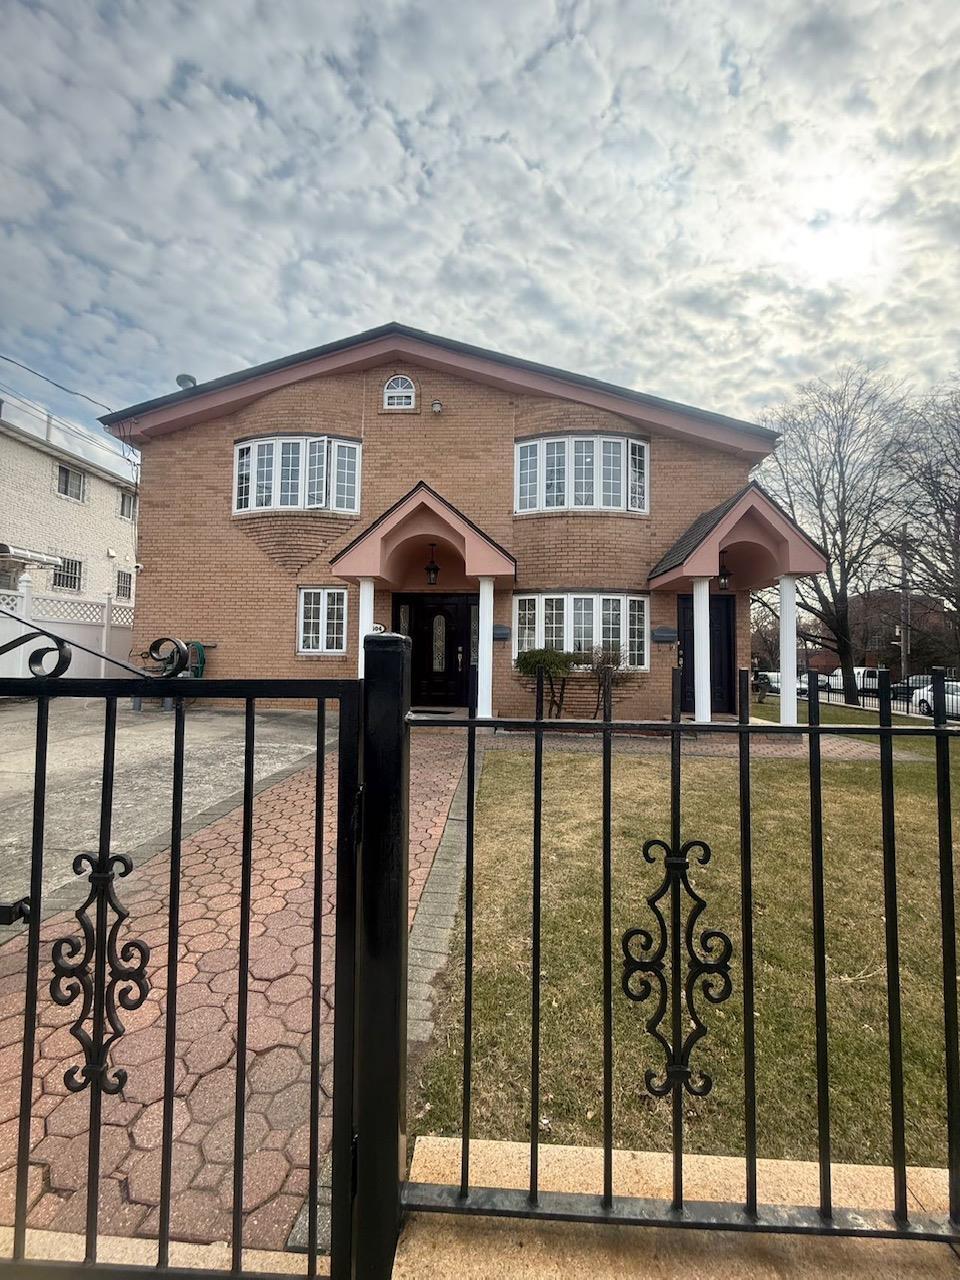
(851, 692)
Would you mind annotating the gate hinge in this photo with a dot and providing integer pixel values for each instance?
(11, 912)
(358, 817)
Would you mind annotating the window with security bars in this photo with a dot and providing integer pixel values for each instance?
(69, 576)
(323, 620)
(296, 473)
(578, 622)
(70, 483)
(124, 584)
(588, 473)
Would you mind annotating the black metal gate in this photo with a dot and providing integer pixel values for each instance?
(100, 969)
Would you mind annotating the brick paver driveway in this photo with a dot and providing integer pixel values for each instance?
(278, 1030)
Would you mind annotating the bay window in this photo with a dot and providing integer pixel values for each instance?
(297, 472)
(579, 622)
(589, 473)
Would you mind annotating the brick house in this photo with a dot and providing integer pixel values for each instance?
(478, 502)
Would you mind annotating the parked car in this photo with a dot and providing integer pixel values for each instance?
(769, 680)
(904, 690)
(867, 678)
(803, 683)
(922, 700)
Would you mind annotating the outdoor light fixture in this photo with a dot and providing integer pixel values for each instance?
(437, 406)
(723, 578)
(431, 567)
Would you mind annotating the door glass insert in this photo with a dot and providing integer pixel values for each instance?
(404, 623)
(439, 644)
(474, 634)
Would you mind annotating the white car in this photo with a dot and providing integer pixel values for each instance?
(922, 700)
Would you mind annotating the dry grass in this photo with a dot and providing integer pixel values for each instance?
(571, 959)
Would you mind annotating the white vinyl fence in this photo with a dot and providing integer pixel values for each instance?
(103, 625)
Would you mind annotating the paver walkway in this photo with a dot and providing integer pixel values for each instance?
(278, 1040)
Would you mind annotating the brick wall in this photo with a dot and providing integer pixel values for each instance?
(232, 580)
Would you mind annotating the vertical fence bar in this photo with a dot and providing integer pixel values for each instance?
(892, 932)
(240, 1094)
(349, 854)
(100, 978)
(313, 1174)
(819, 952)
(382, 1005)
(746, 943)
(535, 952)
(33, 972)
(170, 1028)
(676, 938)
(607, 942)
(468, 967)
(948, 935)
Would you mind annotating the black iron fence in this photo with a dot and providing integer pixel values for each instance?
(911, 696)
(676, 966)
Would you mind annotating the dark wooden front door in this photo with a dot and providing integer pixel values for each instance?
(722, 650)
(439, 626)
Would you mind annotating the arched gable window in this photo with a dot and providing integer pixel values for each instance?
(399, 393)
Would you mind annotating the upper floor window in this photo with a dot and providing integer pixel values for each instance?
(582, 621)
(124, 584)
(598, 473)
(128, 505)
(69, 576)
(399, 393)
(289, 472)
(70, 483)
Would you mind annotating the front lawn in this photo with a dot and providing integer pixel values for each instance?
(571, 1106)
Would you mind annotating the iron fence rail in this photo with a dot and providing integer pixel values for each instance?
(680, 959)
(108, 972)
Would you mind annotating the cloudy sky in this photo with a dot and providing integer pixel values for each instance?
(706, 199)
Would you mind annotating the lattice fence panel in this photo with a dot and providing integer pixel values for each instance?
(66, 609)
(122, 615)
(10, 600)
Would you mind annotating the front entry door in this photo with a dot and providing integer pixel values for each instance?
(722, 683)
(439, 626)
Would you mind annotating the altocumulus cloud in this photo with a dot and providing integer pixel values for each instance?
(708, 201)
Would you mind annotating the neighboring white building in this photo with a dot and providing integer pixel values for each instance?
(66, 496)
(68, 535)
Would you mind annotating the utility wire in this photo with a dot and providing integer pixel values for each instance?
(38, 411)
(60, 387)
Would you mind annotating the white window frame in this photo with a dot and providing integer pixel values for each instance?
(625, 446)
(330, 446)
(125, 495)
(128, 594)
(410, 389)
(64, 586)
(597, 598)
(72, 471)
(324, 593)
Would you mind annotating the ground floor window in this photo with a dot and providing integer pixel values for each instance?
(322, 620)
(69, 576)
(580, 622)
(124, 584)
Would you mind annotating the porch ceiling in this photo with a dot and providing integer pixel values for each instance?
(757, 540)
(386, 549)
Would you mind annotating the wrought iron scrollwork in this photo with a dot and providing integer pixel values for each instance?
(645, 966)
(173, 656)
(35, 660)
(78, 963)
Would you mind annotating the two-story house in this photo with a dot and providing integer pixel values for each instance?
(480, 503)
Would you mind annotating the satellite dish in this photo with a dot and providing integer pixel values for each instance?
(185, 381)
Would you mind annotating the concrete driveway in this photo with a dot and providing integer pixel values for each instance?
(213, 775)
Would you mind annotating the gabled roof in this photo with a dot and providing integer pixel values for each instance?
(389, 341)
(802, 554)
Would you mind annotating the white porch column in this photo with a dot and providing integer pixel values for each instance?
(364, 619)
(701, 649)
(485, 651)
(788, 649)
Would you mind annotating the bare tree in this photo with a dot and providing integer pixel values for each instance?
(929, 467)
(834, 473)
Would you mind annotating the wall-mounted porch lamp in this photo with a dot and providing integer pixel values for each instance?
(431, 568)
(723, 577)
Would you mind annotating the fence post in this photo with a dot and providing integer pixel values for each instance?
(25, 587)
(381, 1045)
(105, 632)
